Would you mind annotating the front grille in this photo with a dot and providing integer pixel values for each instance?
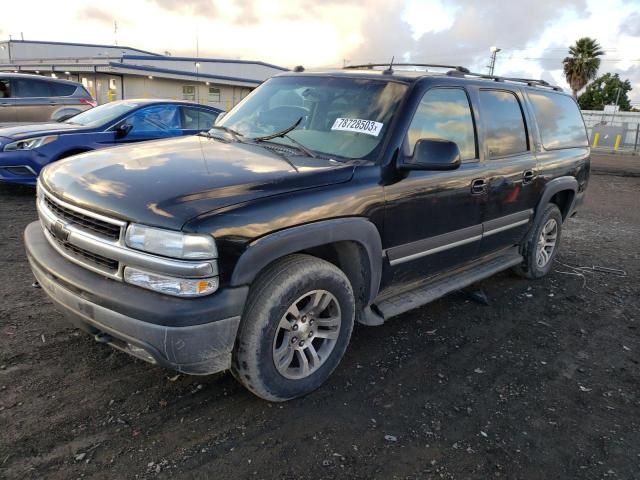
(89, 257)
(84, 222)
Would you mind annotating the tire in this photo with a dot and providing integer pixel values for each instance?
(536, 263)
(272, 332)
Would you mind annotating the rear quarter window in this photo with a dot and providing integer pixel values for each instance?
(559, 121)
(62, 89)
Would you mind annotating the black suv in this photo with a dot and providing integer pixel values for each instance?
(323, 198)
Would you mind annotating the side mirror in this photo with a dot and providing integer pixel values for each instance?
(432, 154)
(123, 130)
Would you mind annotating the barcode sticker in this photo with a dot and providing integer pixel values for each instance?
(357, 125)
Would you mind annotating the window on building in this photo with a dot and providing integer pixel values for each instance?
(189, 93)
(197, 119)
(506, 133)
(559, 120)
(444, 114)
(214, 95)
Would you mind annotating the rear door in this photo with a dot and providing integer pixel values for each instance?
(34, 102)
(7, 107)
(511, 180)
(195, 120)
(433, 220)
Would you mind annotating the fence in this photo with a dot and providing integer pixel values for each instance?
(613, 131)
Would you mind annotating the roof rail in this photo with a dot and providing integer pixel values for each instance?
(532, 82)
(370, 66)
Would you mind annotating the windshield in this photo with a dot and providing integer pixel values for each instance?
(343, 117)
(102, 114)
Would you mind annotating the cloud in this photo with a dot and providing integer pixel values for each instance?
(631, 26)
(95, 14)
(206, 8)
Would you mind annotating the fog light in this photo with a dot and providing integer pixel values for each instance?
(179, 287)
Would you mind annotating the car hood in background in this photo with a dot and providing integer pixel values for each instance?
(37, 130)
(168, 182)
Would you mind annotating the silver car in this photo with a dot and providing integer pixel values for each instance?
(33, 98)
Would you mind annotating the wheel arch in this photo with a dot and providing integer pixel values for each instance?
(562, 192)
(353, 244)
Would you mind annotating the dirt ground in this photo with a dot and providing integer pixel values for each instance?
(542, 383)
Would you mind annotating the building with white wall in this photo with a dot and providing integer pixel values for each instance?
(112, 72)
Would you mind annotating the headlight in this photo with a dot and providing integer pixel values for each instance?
(29, 143)
(169, 243)
(179, 287)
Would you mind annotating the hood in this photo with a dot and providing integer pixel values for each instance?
(168, 182)
(37, 130)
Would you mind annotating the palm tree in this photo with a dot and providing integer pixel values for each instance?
(582, 65)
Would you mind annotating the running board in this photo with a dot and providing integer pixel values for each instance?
(408, 300)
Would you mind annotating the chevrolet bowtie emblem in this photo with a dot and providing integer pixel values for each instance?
(60, 232)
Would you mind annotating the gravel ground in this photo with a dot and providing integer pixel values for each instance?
(541, 383)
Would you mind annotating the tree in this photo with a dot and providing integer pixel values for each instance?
(604, 91)
(582, 66)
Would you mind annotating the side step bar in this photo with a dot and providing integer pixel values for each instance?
(426, 293)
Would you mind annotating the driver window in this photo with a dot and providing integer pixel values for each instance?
(5, 90)
(444, 114)
(163, 119)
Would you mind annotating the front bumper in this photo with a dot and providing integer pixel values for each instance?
(21, 167)
(194, 336)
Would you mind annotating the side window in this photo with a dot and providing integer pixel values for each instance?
(5, 88)
(444, 114)
(504, 124)
(27, 88)
(62, 89)
(189, 93)
(559, 120)
(197, 119)
(158, 119)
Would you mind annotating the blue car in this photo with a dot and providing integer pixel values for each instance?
(26, 149)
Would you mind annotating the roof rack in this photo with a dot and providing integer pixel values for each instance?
(532, 82)
(370, 66)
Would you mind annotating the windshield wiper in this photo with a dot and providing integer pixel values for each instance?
(283, 133)
(234, 134)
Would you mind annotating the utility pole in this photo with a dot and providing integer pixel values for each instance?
(494, 53)
(115, 33)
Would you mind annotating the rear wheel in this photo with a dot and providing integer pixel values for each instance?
(295, 328)
(541, 246)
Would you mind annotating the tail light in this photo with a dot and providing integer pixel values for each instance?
(85, 101)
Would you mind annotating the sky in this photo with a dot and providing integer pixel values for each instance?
(533, 36)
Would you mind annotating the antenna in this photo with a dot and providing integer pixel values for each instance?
(389, 70)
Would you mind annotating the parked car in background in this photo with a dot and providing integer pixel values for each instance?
(33, 98)
(25, 149)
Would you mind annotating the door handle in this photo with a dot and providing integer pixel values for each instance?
(528, 176)
(478, 186)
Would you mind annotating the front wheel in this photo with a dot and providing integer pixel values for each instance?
(541, 246)
(295, 328)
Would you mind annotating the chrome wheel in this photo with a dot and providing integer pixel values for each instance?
(307, 334)
(546, 242)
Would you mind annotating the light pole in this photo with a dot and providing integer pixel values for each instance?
(494, 53)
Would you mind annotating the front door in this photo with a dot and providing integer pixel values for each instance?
(511, 177)
(433, 220)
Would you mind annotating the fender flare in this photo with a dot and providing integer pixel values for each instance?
(554, 186)
(269, 248)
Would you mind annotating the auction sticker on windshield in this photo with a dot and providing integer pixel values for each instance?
(357, 125)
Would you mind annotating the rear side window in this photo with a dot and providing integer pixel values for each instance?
(505, 131)
(444, 114)
(197, 119)
(27, 88)
(62, 89)
(559, 120)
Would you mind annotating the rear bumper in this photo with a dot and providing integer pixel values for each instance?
(194, 336)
